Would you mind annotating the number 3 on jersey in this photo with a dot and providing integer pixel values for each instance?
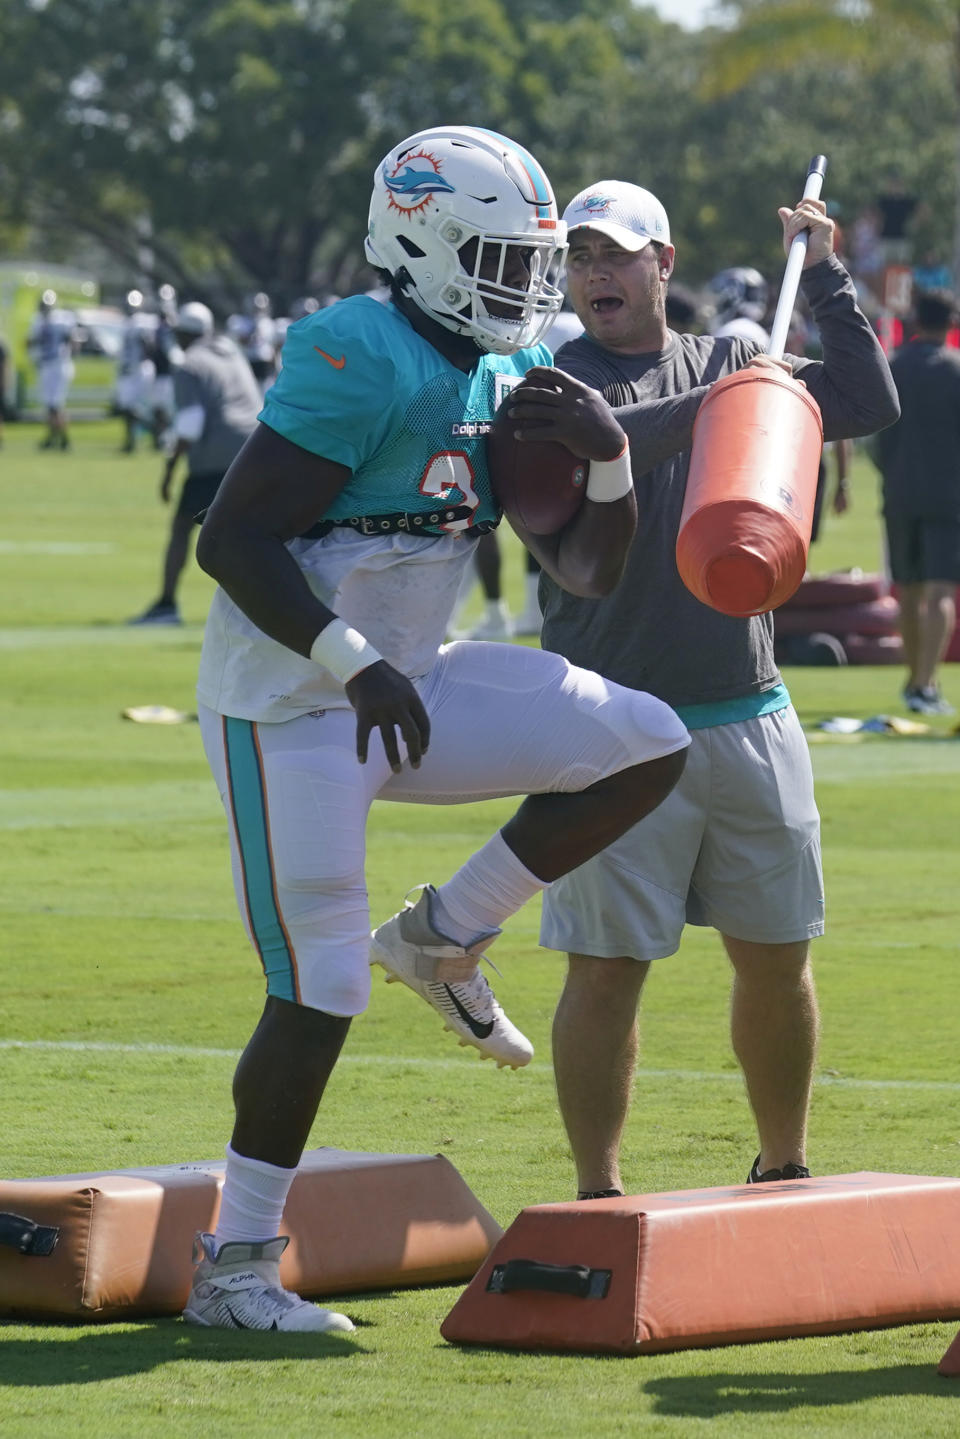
(450, 470)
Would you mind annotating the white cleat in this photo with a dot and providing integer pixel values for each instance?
(238, 1287)
(447, 976)
(528, 624)
(495, 625)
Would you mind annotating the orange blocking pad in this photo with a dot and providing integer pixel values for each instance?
(124, 1241)
(950, 1363)
(654, 1272)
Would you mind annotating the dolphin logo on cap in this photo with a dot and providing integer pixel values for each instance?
(596, 203)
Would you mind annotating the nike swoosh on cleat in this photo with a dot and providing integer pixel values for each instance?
(476, 1026)
(239, 1322)
(337, 364)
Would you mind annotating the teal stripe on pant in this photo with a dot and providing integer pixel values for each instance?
(248, 803)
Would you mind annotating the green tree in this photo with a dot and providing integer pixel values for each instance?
(870, 35)
(228, 145)
(236, 139)
(210, 135)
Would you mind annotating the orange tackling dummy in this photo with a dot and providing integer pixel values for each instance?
(757, 440)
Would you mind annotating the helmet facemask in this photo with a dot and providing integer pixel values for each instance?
(499, 291)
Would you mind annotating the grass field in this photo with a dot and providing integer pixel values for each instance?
(129, 990)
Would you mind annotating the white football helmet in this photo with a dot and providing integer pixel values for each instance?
(441, 189)
(738, 293)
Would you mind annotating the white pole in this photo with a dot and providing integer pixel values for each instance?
(791, 275)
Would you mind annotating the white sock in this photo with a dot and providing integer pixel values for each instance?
(488, 889)
(252, 1200)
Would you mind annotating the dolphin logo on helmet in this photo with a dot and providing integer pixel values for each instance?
(417, 182)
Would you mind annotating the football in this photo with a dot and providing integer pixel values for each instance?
(538, 483)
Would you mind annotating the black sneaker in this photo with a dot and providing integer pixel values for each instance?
(927, 701)
(162, 613)
(599, 1194)
(789, 1171)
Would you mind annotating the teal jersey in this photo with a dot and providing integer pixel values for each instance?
(359, 386)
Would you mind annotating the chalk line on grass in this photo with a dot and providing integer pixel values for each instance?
(190, 1051)
(56, 547)
(150, 803)
(38, 637)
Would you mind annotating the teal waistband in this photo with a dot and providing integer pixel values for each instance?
(730, 711)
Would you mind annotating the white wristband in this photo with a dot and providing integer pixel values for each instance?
(343, 651)
(610, 479)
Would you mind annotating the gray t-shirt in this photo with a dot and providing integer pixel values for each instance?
(651, 633)
(214, 374)
(919, 457)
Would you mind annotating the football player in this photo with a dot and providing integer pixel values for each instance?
(136, 369)
(739, 297)
(338, 540)
(52, 341)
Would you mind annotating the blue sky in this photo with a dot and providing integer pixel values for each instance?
(692, 14)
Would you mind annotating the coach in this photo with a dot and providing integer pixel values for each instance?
(736, 845)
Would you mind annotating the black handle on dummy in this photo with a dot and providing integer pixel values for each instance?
(26, 1236)
(578, 1280)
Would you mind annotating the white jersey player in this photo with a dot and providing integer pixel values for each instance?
(739, 296)
(136, 369)
(51, 342)
(260, 337)
(338, 540)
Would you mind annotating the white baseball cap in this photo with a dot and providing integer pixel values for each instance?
(625, 213)
(194, 318)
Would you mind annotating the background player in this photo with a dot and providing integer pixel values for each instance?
(136, 369)
(216, 402)
(52, 341)
(919, 461)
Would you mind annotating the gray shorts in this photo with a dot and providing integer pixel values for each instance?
(736, 845)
